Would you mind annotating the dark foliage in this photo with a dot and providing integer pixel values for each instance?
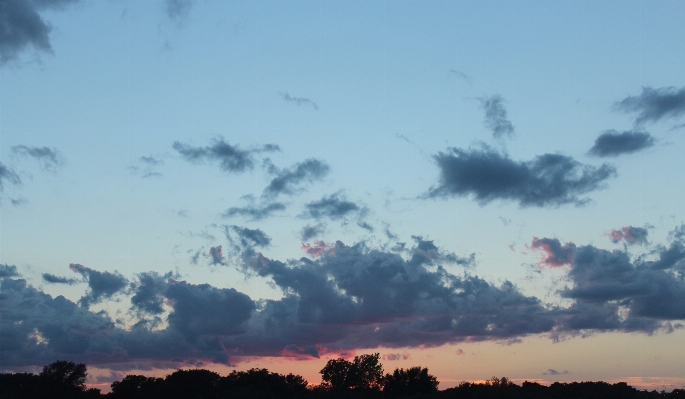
(361, 378)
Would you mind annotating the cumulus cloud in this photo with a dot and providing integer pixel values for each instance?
(334, 206)
(346, 298)
(496, 116)
(255, 212)
(8, 175)
(231, 158)
(49, 158)
(556, 255)
(612, 143)
(288, 181)
(630, 235)
(51, 278)
(101, 285)
(8, 270)
(653, 105)
(21, 26)
(487, 175)
(247, 238)
(299, 101)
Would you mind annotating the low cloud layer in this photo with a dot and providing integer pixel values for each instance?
(496, 116)
(487, 175)
(231, 158)
(343, 298)
(653, 105)
(289, 181)
(612, 143)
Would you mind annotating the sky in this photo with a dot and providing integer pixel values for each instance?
(480, 188)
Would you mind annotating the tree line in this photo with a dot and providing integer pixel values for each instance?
(362, 377)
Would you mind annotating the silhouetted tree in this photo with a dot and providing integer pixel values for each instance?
(364, 372)
(260, 383)
(190, 384)
(66, 372)
(411, 381)
(137, 386)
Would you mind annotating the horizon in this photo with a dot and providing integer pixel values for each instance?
(483, 189)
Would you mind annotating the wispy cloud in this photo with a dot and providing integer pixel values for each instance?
(310, 231)
(51, 278)
(334, 206)
(101, 285)
(298, 100)
(612, 143)
(255, 212)
(487, 175)
(289, 181)
(49, 158)
(496, 116)
(461, 75)
(231, 158)
(8, 176)
(630, 235)
(652, 105)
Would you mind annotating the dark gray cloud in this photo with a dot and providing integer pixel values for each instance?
(49, 158)
(426, 252)
(288, 181)
(612, 143)
(101, 285)
(255, 212)
(178, 9)
(51, 278)
(216, 256)
(630, 235)
(21, 26)
(8, 270)
(653, 105)
(334, 206)
(487, 175)
(231, 158)
(343, 298)
(308, 232)
(555, 372)
(298, 100)
(247, 238)
(8, 175)
(556, 254)
(496, 116)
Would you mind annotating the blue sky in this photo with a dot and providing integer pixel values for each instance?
(525, 155)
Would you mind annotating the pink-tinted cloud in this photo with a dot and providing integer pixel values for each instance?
(396, 356)
(556, 254)
(459, 352)
(631, 235)
(318, 249)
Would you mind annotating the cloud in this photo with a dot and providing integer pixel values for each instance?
(347, 298)
(298, 100)
(557, 255)
(461, 75)
(496, 116)
(612, 143)
(231, 158)
(653, 105)
(334, 206)
(396, 356)
(555, 372)
(8, 175)
(308, 232)
(51, 278)
(426, 252)
(49, 158)
(216, 256)
(631, 235)
(255, 212)
(178, 9)
(8, 270)
(102, 285)
(247, 238)
(459, 352)
(486, 175)
(21, 26)
(288, 180)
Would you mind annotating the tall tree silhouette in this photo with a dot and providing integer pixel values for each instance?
(364, 372)
(412, 381)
